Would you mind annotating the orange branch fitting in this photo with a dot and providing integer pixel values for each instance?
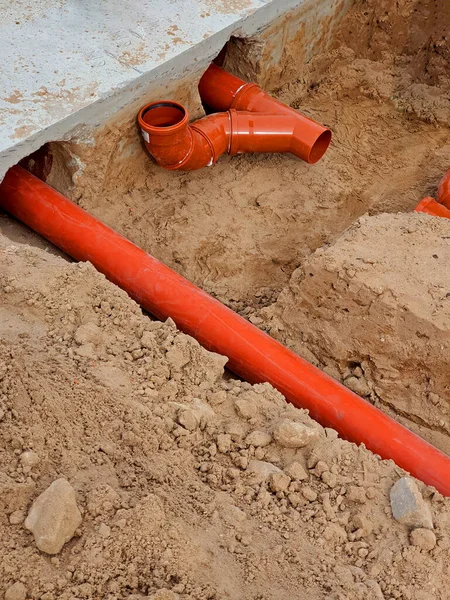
(177, 144)
(221, 91)
(429, 206)
(252, 354)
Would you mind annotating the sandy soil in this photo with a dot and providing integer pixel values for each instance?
(377, 322)
(160, 448)
(157, 441)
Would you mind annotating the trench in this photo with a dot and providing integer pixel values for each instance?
(245, 229)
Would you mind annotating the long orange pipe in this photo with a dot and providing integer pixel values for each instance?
(221, 91)
(252, 354)
(177, 144)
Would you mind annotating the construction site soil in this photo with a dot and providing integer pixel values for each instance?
(165, 477)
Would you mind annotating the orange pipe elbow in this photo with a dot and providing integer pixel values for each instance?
(429, 206)
(252, 354)
(222, 91)
(177, 144)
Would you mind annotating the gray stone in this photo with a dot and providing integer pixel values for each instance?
(408, 506)
(54, 517)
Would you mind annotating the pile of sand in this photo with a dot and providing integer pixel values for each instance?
(187, 484)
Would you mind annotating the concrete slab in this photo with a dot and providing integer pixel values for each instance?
(72, 62)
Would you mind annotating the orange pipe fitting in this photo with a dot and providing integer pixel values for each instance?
(177, 144)
(429, 206)
(222, 91)
(252, 354)
(443, 193)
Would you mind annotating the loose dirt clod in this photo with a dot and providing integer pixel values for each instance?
(17, 591)
(423, 538)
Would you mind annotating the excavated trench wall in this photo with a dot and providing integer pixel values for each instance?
(262, 233)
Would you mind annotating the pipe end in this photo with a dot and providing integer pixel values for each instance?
(162, 117)
(319, 147)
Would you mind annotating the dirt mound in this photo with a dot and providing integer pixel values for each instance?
(373, 309)
(186, 481)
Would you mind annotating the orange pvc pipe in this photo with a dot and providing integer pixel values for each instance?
(443, 193)
(177, 144)
(221, 91)
(252, 354)
(429, 206)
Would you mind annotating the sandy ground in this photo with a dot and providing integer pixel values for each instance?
(168, 459)
(157, 441)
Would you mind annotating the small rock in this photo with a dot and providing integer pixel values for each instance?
(335, 533)
(408, 506)
(177, 358)
(262, 469)
(423, 538)
(17, 591)
(321, 467)
(362, 524)
(54, 517)
(358, 385)
(291, 434)
(224, 442)
(329, 478)
(259, 439)
(279, 482)
(16, 517)
(203, 412)
(245, 407)
(235, 430)
(148, 339)
(104, 530)
(356, 494)
(309, 493)
(296, 471)
(188, 419)
(86, 351)
(29, 458)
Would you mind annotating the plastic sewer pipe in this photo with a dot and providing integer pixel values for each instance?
(176, 144)
(441, 208)
(220, 90)
(252, 354)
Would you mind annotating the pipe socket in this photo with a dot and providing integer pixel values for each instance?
(176, 144)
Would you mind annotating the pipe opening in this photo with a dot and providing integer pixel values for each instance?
(163, 115)
(320, 147)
